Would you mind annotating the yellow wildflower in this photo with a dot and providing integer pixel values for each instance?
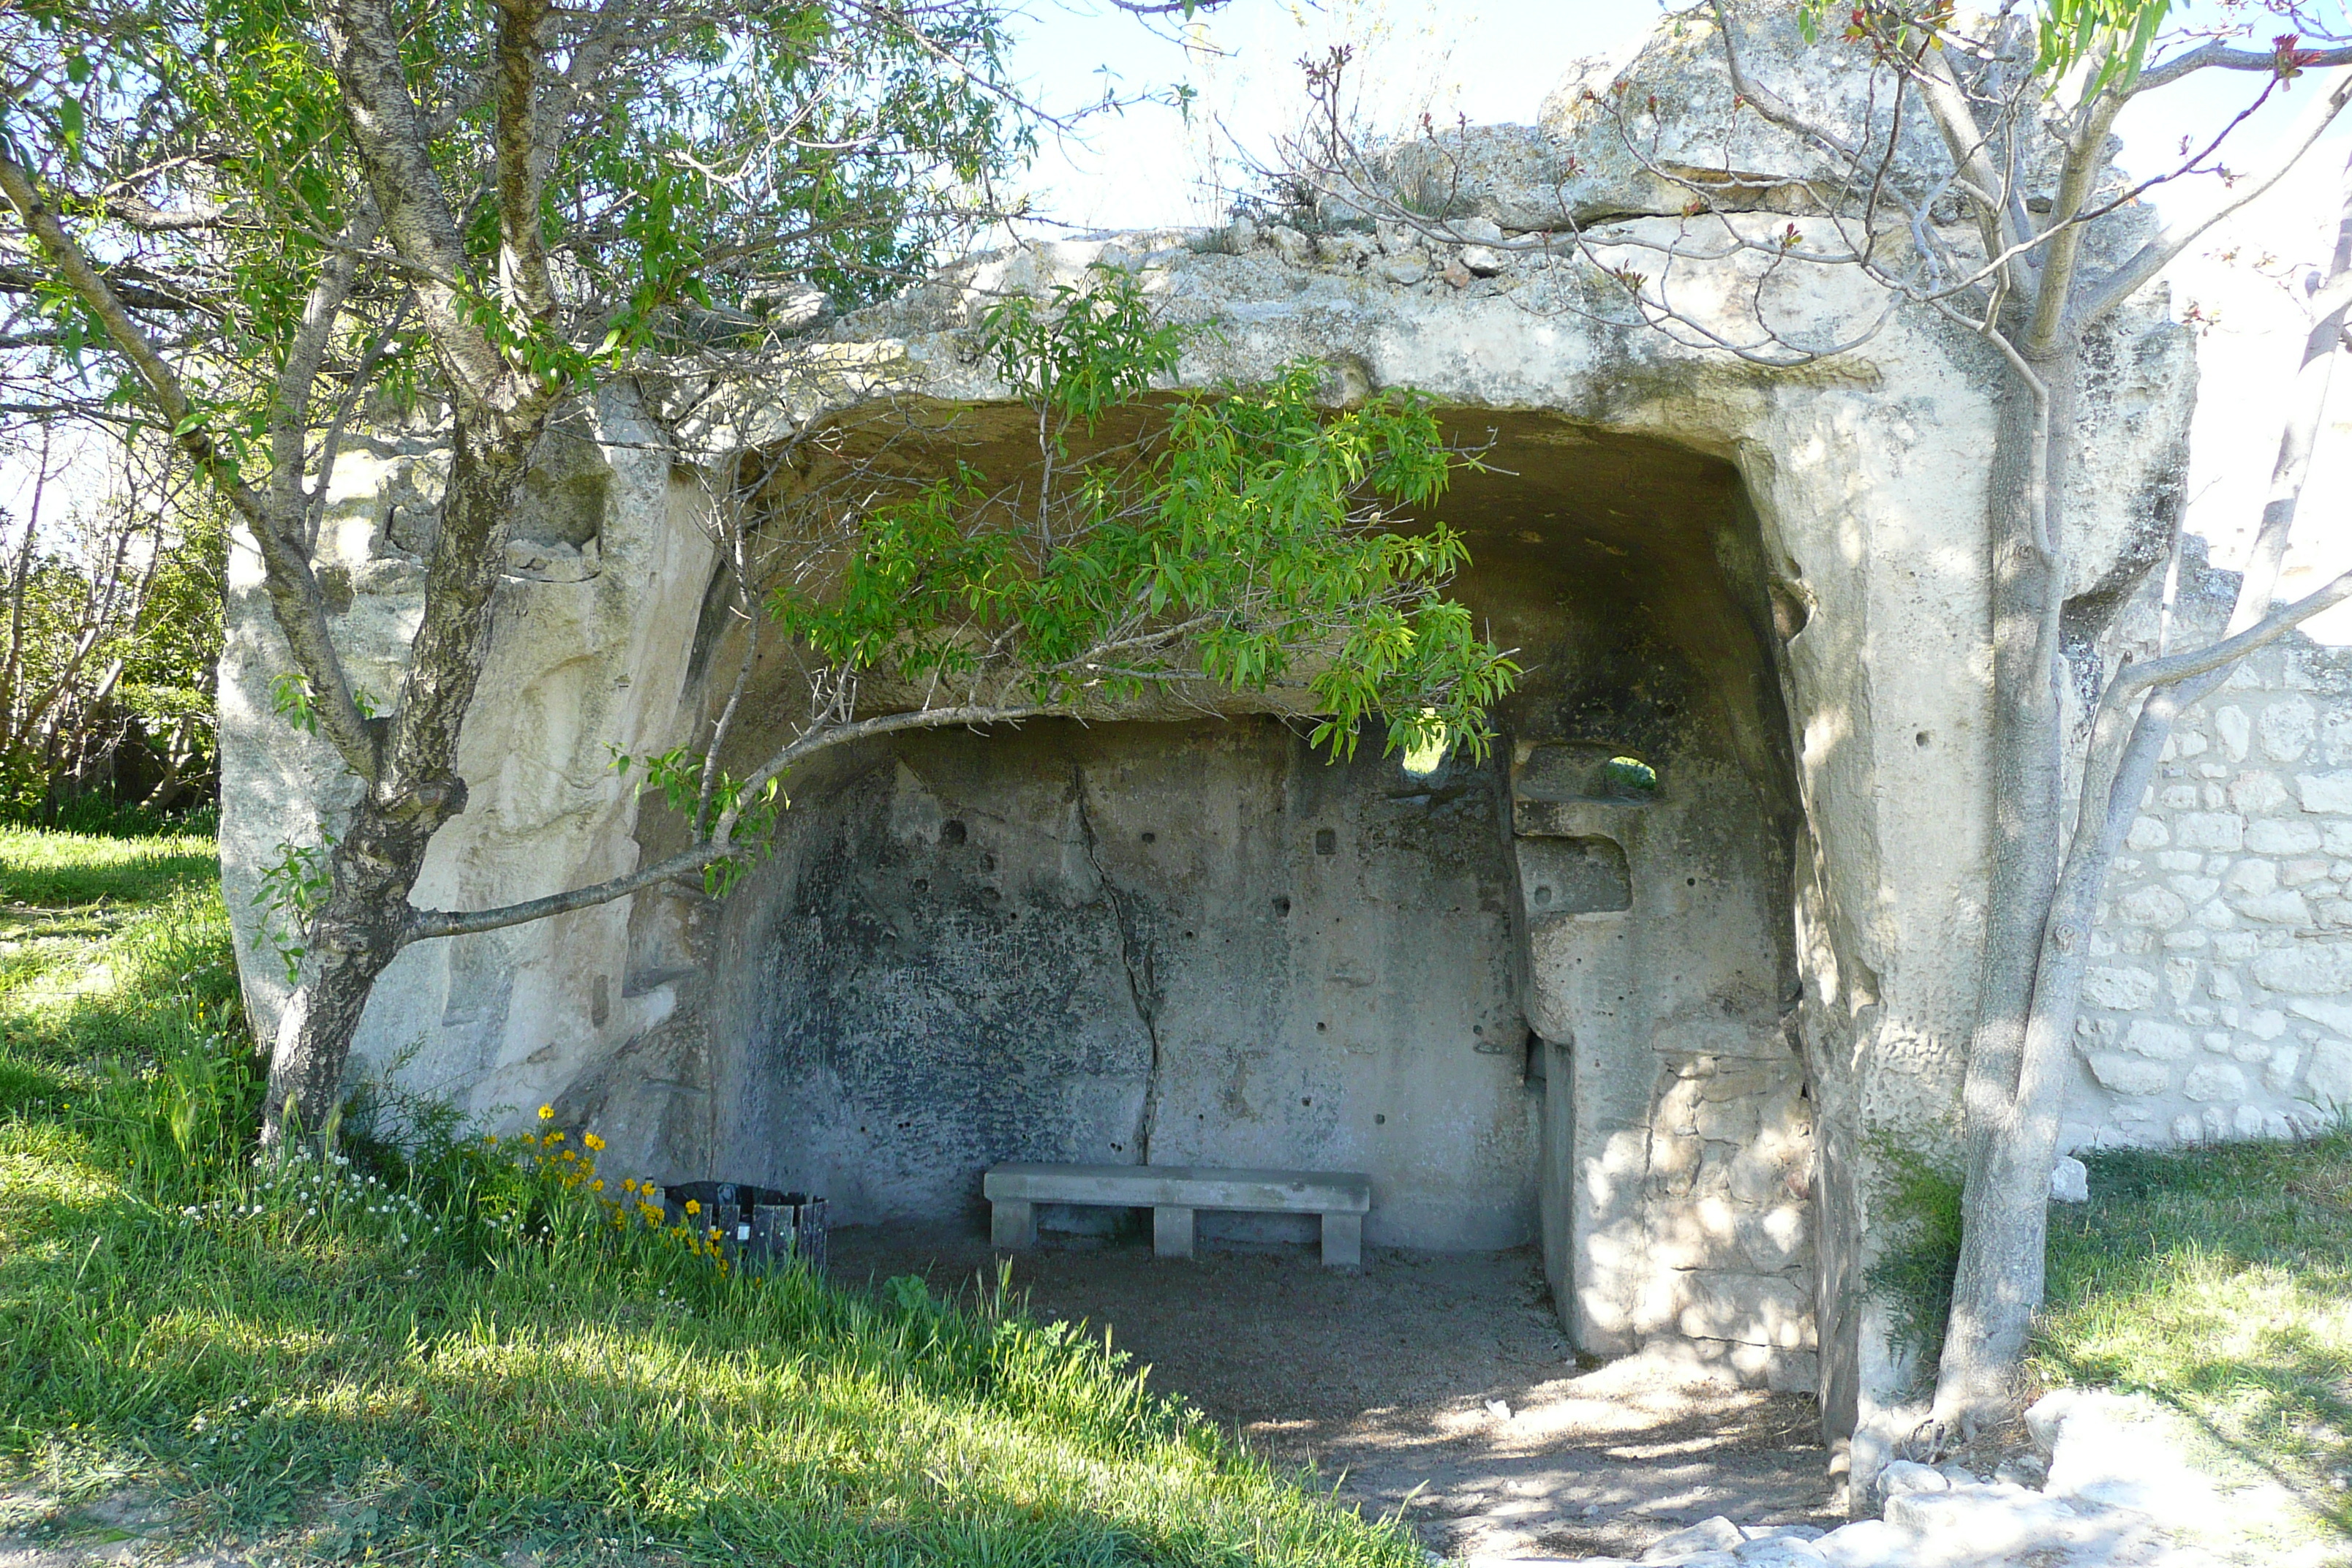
(554, 1138)
(547, 1113)
(572, 1154)
(591, 1141)
(598, 1185)
(630, 1185)
(694, 1205)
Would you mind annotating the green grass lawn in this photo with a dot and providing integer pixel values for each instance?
(450, 1357)
(2219, 1281)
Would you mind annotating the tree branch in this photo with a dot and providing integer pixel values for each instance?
(363, 45)
(524, 156)
(424, 924)
(2218, 55)
(2306, 409)
(2151, 258)
(2174, 668)
(301, 610)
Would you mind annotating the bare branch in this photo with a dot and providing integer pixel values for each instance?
(2180, 666)
(2218, 55)
(424, 924)
(2158, 253)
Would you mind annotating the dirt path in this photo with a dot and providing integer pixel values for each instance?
(1388, 1375)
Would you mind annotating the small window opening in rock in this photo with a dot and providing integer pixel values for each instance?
(1282, 906)
(1424, 754)
(922, 884)
(1187, 936)
(1327, 841)
(1923, 738)
(1478, 1028)
(1542, 896)
(1304, 1099)
(1151, 838)
(953, 832)
(1534, 1071)
(1322, 1029)
(1690, 881)
(1629, 777)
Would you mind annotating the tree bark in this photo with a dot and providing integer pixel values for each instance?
(1997, 1288)
(2016, 1085)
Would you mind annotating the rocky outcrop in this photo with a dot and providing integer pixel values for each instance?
(1660, 1031)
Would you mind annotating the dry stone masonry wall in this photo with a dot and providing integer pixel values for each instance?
(2218, 1004)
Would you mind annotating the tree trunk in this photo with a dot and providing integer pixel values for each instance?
(367, 918)
(1997, 1286)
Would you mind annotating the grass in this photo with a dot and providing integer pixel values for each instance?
(449, 1354)
(67, 875)
(2219, 1281)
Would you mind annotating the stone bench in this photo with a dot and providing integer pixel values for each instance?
(1173, 1193)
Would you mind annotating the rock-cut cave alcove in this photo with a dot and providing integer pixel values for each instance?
(1537, 996)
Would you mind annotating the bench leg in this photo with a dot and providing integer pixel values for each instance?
(1012, 1224)
(1171, 1233)
(1343, 1241)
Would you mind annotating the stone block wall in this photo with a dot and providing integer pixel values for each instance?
(1727, 1205)
(2218, 1004)
(1678, 1136)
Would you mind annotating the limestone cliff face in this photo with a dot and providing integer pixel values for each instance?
(1653, 1030)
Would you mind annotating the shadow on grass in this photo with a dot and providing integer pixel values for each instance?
(297, 1358)
(2219, 1281)
(294, 1378)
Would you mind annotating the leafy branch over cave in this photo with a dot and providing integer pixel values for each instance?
(1176, 550)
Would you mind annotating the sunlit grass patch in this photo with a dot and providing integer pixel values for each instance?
(453, 1349)
(2219, 1281)
(39, 867)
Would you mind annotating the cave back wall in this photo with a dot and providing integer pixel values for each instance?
(1198, 944)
